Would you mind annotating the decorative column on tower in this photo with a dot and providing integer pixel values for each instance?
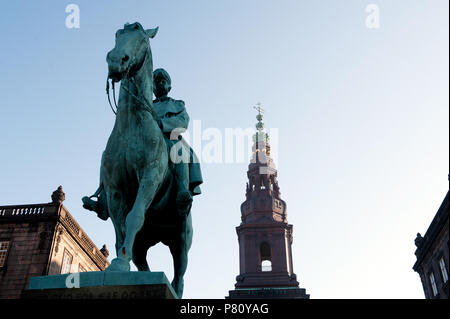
(265, 237)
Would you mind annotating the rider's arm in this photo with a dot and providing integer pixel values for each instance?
(175, 119)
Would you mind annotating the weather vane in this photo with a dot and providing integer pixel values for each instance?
(259, 108)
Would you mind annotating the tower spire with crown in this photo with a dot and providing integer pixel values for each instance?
(265, 237)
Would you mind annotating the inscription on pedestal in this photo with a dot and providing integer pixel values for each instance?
(105, 292)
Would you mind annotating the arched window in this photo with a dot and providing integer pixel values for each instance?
(266, 265)
(266, 258)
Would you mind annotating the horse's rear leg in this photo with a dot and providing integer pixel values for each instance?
(179, 249)
(140, 256)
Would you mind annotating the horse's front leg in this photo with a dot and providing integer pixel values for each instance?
(135, 219)
(118, 207)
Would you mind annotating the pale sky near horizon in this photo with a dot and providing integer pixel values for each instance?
(362, 117)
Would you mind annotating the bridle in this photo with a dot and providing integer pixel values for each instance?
(131, 80)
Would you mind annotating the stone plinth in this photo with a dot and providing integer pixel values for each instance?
(101, 285)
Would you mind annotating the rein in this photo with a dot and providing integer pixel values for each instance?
(114, 93)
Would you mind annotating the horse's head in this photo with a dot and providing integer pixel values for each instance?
(128, 55)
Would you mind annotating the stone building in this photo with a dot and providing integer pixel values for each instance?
(265, 236)
(432, 255)
(43, 239)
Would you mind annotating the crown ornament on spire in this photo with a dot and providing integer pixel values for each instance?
(259, 117)
(261, 138)
(262, 172)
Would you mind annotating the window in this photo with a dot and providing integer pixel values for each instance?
(433, 284)
(266, 259)
(3, 252)
(81, 269)
(66, 262)
(266, 265)
(443, 270)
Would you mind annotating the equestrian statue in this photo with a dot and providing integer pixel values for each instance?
(148, 172)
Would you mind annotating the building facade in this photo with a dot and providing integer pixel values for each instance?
(264, 235)
(433, 253)
(43, 239)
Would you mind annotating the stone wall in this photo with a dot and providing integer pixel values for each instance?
(431, 248)
(38, 235)
(430, 264)
(30, 242)
(64, 241)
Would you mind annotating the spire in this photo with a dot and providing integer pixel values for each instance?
(262, 173)
(260, 138)
(264, 235)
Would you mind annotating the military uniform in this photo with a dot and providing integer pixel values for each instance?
(173, 119)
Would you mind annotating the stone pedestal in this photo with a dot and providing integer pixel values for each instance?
(101, 285)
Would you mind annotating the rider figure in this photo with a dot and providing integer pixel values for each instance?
(173, 120)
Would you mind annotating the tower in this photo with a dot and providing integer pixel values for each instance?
(264, 235)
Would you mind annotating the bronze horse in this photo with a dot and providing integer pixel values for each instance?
(135, 180)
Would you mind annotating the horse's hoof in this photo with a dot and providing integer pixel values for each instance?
(178, 287)
(119, 264)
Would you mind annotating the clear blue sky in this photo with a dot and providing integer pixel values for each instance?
(362, 115)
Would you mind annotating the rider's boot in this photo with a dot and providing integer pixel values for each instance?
(96, 206)
(90, 204)
(184, 202)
